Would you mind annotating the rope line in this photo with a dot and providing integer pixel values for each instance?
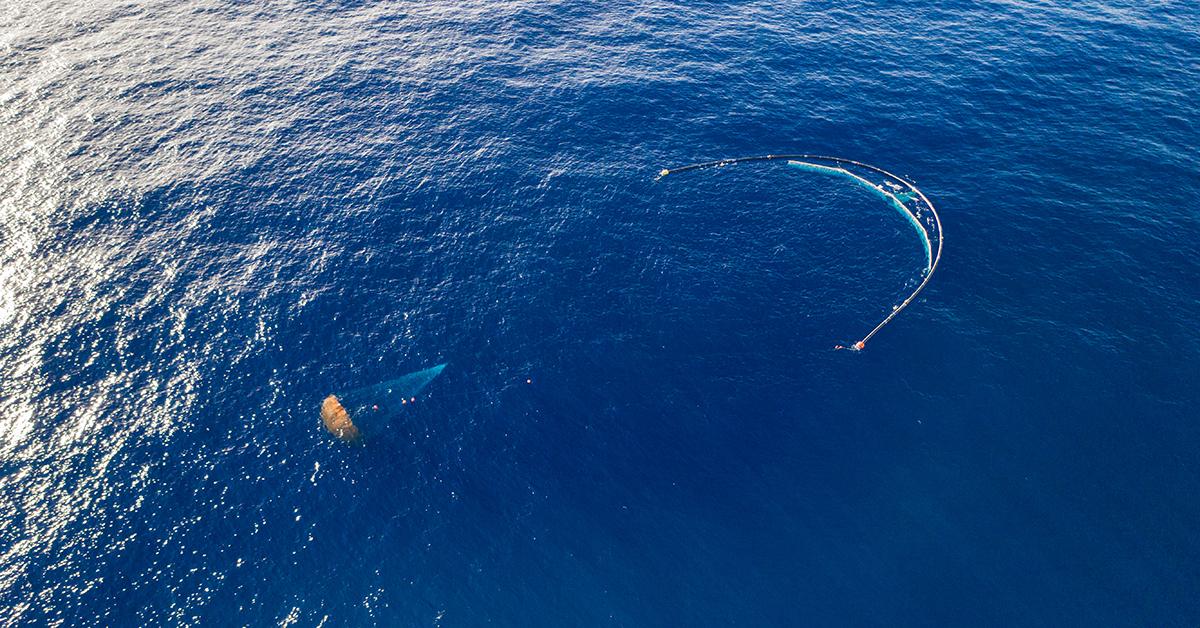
(840, 167)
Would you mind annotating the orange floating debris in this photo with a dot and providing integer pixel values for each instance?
(337, 420)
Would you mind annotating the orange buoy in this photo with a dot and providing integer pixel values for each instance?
(337, 420)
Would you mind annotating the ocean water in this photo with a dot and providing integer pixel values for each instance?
(216, 213)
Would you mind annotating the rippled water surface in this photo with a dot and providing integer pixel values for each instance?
(216, 213)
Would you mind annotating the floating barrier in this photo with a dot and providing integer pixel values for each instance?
(898, 192)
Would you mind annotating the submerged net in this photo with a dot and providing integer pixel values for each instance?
(899, 193)
(349, 414)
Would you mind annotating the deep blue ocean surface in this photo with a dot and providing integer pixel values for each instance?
(213, 214)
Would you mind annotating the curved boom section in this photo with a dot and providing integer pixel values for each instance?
(898, 192)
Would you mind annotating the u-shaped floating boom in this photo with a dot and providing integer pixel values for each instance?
(895, 190)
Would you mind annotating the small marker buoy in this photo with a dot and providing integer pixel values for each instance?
(529, 381)
(413, 399)
(375, 408)
(403, 401)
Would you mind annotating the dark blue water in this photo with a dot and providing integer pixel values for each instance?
(215, 214)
